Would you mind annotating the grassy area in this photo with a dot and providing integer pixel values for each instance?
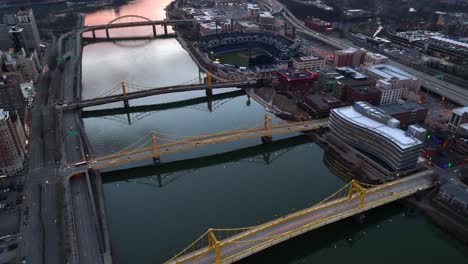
(239, 58)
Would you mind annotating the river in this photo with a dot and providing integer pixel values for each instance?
(155, 211)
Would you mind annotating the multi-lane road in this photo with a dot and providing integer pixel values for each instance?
(445, 89)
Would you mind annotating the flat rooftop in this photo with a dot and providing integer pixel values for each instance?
(461, 110)
(395, 135)
(396, 108)
(298, 75)
(388, 72)
(307, 58)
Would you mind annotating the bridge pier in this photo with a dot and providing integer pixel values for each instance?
(165, 29)
(94, 33)
(128, 117)
(210, 105)
(208, 91)
(154, 31)
(107, 33)
(124, 94)
(267, 138)
(154, 144)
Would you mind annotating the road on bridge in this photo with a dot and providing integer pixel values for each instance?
(197, 141)
(155, 91)
(266, 235)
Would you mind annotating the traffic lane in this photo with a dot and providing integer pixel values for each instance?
(49, 218)
(421, 180)
(85, 229)
(32, 228)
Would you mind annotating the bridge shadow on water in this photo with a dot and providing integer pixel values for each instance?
(163, 106)
(165, 173)
(341, 236)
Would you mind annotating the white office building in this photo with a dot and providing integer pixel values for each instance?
(312, 63)
(376, 135)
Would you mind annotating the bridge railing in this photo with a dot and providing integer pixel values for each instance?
(269, 241)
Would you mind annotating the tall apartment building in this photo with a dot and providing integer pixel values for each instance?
(351, 57)
(5, 37)
(12, 143)
(27, 21)
(26, 64)
(11, 97)
(8, 20)
(312, 63)
(376, 135)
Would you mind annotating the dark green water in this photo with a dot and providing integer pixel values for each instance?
(153, 212)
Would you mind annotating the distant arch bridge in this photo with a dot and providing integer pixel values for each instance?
(128, 21)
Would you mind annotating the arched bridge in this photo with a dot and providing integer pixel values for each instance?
(128, 16)
(138, 21)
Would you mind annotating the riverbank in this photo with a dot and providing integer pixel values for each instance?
(439, 215)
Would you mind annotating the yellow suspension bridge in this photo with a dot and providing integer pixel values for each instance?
(230, 245)
(155, 150)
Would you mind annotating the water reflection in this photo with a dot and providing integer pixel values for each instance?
(165, 173)
(203, 103)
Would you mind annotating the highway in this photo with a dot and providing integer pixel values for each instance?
(281, 229)
(85, 230)
(88, 248)
(450, 91)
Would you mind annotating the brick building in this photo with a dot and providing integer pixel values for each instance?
(317, 24)
(351, 57)
(297, 82)
(354, 86)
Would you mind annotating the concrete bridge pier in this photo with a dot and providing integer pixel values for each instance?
(210, 105)
(154, 31)
(156, 161)
(159, 180)
(128, 118)
(126, 104)
(107, 33)
(266, 139)
(94, 33)
(165, 29)
(209, 92)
